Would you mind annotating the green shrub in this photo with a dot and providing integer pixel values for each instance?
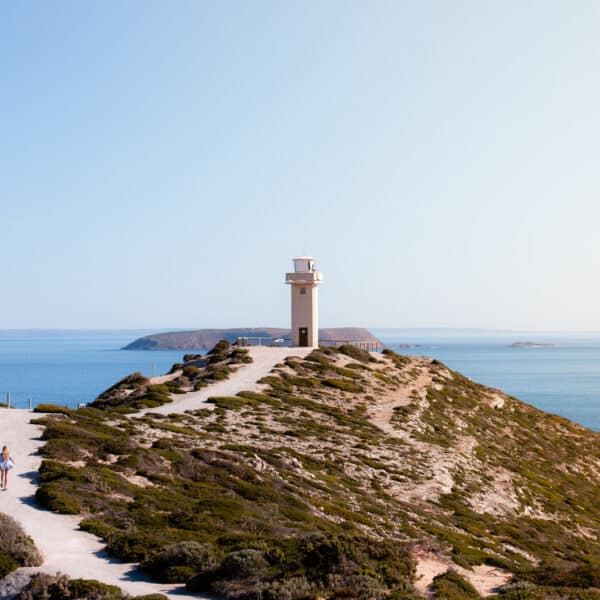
(57, 501)
(46, 587)
(451, 586)
(292, 588)
(240, 355)
(399, 361)
(53, 409)
(340, 384)
(190, 371)
(221, 347)
(355, 353)
(179, 562)
(135, 546)
(60, 587)
(243, 564)
(566, 575)
(230, 402)
(7, 563)
(111, 396)
(90, 588)
(17, 544)
(62, 449)
(220, 373)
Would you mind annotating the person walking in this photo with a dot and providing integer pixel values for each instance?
(6, 464)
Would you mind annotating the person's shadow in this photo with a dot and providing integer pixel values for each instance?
(34, 478)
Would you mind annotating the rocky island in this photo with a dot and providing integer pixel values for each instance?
(532, 345)
(203, 339)
(339, 474)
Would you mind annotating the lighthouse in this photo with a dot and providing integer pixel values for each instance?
(304, 283)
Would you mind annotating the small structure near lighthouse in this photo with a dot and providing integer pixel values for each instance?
(304, 283)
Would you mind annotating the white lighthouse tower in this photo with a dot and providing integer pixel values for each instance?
(305, 310)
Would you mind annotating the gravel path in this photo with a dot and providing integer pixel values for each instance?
(64, 546)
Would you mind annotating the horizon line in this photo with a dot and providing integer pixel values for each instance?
(378, 328)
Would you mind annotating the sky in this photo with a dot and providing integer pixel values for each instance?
(162, 162)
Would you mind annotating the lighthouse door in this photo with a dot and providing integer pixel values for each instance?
(303, 336)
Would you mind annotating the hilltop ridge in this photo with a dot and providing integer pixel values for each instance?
(347, 474)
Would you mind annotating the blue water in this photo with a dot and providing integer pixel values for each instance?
(564, 379)
(69, 367)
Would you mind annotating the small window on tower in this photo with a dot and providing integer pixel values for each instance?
(303, 291)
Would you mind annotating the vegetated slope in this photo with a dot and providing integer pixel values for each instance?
(202, 339)
(196, 372)
(332, 479)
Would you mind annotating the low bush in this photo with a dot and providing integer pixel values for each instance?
(243, 564)
(190, 371)
(230, 402)
(60, 587)
(17, 544)
(57, 501)
(356, 353)
(53, 409)
(452, 586)
(566, 575)
(240, 355)
(62, 449)
(7, 563)
(221, 347)
(399, 361)
(220, 373)
(340, 384)
(293, 588)
(179, 562)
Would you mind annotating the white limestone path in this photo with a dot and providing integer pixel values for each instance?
(245, 378)
(66, 548)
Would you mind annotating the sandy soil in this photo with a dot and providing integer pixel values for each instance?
(483, 578)
(64, 546)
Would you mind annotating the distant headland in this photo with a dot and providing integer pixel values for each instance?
(203, 339)
(532, 345)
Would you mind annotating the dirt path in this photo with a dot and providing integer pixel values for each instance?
(381, 414)
(66, 548)
(244, 378)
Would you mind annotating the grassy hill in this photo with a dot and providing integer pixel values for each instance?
(334, 481)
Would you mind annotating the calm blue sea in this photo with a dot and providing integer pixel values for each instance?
(68, 367)
(563, 379)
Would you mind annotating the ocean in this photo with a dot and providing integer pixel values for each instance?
(71, 367)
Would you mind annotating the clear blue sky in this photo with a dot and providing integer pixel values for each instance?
(161, 162)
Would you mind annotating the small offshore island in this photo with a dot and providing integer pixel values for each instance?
(532, 345)
(203, 339)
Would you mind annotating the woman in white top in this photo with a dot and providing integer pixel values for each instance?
(6, 464)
